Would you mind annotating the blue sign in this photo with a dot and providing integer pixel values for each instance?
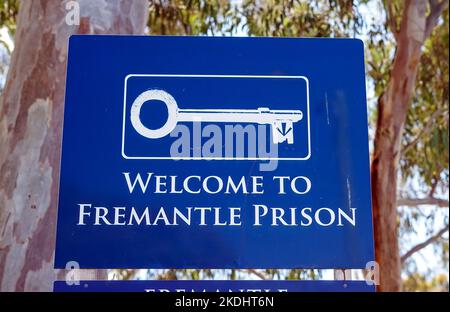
(200, 152)
(228, 286)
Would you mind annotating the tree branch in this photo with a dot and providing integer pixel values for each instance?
(261, 275)
(390, 18)
(433, 187)
(425, 130)
(436, 9)
(443, 203)
(424, 244)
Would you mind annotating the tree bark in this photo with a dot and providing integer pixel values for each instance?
(392, 110)
(31, 112)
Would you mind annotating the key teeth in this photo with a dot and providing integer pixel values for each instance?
(290, 138)
(277, 133)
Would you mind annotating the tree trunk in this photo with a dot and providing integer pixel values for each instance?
(392, 110)
(31, 112)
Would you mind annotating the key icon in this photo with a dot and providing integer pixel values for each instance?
(281, 121)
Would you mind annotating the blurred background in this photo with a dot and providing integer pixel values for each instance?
(406, 47)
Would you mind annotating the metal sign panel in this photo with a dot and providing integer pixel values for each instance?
(201, 152)
(182, 286)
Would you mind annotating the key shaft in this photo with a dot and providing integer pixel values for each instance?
(259, 116)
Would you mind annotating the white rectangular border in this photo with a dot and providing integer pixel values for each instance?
(216, 76)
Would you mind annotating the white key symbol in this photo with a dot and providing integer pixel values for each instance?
(281, 121)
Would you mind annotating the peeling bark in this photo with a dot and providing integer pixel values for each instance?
(31, 112)
(392, 110)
